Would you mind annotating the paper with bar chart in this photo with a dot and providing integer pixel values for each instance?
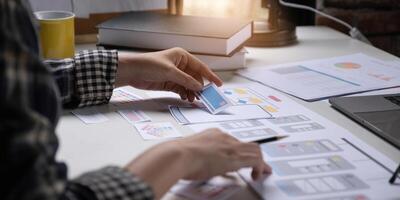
(324, 78)
(319, 160)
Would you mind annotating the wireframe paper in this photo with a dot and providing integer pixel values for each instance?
(193, 115)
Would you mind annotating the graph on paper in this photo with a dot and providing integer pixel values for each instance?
(319, 79)
(248, 96)
(347, 65)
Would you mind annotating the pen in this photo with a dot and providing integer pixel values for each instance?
(271, 139)
(394, 177)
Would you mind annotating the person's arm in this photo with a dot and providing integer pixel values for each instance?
(198, 157)
(29, 111)
(28, 116)
(29, 169)
(87, 79)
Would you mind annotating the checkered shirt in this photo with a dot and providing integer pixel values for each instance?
(31, 96)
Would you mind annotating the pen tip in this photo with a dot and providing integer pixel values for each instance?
(282, 136)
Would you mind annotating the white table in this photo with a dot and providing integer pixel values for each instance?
(87, 147)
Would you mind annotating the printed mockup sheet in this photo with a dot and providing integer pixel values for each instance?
(324, 78)
(158, 130)
(319, 160)
(194, 115)
(120, 100)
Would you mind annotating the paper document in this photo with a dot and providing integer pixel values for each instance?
(324, 78)
(319, 160)
(120, 100)
(192, 115)
(134, 116)
(380, 92)
(156, 131)
(162, 94)
(309, 166)
(122, 96)
(217, 188)
(90, 115)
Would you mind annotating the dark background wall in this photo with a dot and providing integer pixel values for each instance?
(302, 17)
(379, 20)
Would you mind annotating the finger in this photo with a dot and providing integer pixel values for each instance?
(172, 87)
(250, 155)
(181, 91)
(199, 78)
(212, 77)
(196, 65)
(260, 167)
(257, 171)
(267, 169)
(183, 95)
(191, 96)
(242, 160)
(181, 78)
(261, 170)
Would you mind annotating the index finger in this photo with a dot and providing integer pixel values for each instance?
(197, 65)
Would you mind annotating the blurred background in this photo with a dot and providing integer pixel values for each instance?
(377, 19)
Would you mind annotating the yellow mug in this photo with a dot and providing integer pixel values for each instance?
(57, 34)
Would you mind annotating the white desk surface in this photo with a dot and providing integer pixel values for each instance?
(87, 147)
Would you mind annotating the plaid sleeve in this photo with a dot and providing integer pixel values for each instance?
(86, 80)
(63, 73)
(115, 183)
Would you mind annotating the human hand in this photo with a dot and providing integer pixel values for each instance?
(197, 157)
(216, 153)
(173, 70)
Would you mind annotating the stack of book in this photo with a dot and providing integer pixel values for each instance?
(218, 42)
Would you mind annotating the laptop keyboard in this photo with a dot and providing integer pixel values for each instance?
(394, 99)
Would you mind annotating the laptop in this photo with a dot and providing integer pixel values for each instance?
(379, 113)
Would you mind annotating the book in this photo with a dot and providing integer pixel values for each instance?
(215, 63)
(224, 63)
(159, 31)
